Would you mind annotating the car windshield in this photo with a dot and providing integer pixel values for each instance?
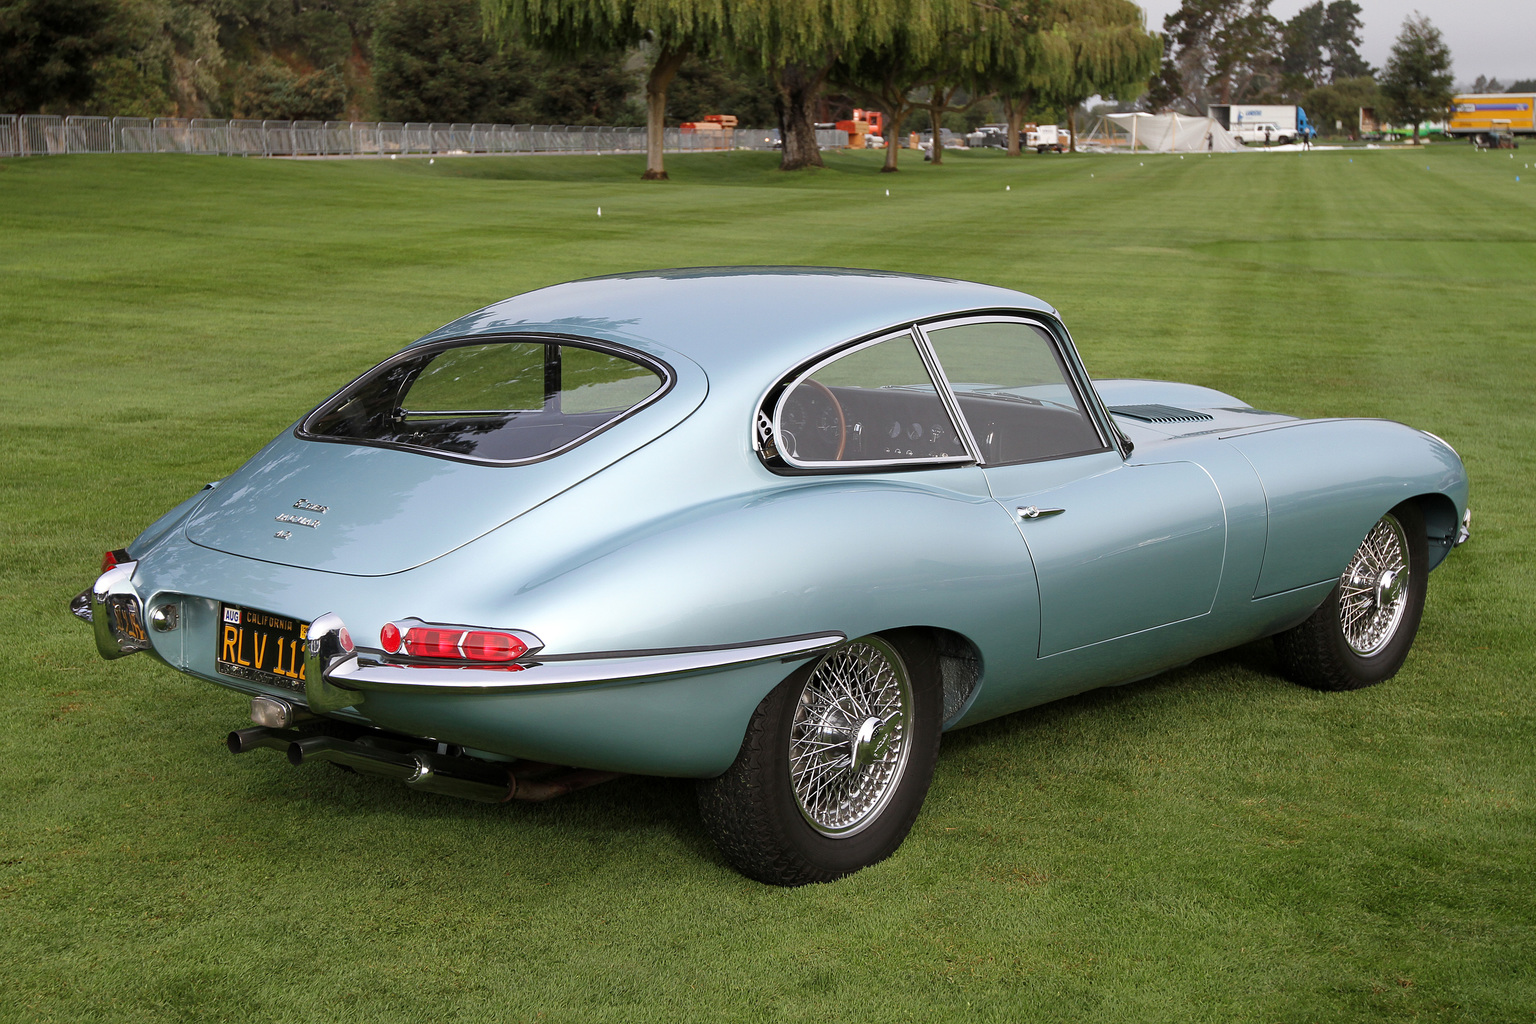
(498, 401)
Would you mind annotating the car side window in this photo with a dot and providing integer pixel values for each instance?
(1014, 391)
(875, 404)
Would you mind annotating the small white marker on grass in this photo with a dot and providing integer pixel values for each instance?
(599, 211)
(432, 161)
(1007, 188)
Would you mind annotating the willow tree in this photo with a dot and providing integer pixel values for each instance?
(884, 75)
(1024, 49)
(567, 28)
(798, 43)
(924, 58)
(957, 63)
(1111, 54)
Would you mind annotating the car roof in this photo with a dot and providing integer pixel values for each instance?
(747, 323)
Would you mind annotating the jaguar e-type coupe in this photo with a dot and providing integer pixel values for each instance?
(776, 529)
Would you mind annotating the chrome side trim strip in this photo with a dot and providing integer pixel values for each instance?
(360, 673)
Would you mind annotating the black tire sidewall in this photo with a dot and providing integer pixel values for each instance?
(1384, 664)
(880, 838)
(751, 810)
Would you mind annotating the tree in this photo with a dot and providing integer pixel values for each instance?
(1028, 50)
(1110, 54)
(713, 85)
(432, 62)
(1217, 51)
(48, 49)
(798, 43)
(1417, 80)
(883, 76)
(1320, 45)
(1524, 85)
(268, 88)
(1340, 102)
(1341, 38)
(1485, 84)
(568, 28)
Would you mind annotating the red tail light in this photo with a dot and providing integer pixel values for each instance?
(456, 642)
(114, 558)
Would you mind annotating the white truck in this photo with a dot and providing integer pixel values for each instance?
(1047, 138)
(1264, 122)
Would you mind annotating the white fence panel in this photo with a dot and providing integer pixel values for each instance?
(39, 135)
(88, 134)
(309, 138)
(246, 138)
(391, 138)
(173, 135)
(133, 134)
(42, 135)
(206, 135)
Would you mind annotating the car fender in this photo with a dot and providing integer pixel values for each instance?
(1326, 482)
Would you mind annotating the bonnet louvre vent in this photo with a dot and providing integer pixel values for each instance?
(1160, 413)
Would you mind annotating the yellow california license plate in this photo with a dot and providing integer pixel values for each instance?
(261, 647)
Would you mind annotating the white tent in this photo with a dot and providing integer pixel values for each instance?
(1162, 133)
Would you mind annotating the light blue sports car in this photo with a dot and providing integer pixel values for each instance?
(773, 528)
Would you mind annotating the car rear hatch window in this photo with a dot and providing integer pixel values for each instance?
(498, 401)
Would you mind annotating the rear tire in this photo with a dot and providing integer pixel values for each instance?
(1362, 632)
(834, 767)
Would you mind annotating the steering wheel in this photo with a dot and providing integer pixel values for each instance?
(811, 410)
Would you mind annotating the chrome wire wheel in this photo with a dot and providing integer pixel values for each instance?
(1374, 588)
(850, 737)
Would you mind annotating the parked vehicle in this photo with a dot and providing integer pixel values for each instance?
(994, 136)
(589, 527)
(1278, 123)
(1047, 138)
(1488, 118)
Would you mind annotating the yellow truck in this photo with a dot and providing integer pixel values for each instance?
(1487, 118)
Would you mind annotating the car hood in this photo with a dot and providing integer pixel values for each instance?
(368, 511)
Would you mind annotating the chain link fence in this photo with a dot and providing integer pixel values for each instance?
(51, 135)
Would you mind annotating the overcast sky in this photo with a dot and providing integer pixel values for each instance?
(1487, 37)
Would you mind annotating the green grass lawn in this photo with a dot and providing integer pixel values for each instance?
(1211, 845)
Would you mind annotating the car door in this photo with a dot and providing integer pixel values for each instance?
(1119, 546)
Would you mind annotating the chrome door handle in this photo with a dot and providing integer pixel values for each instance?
(1034, 512)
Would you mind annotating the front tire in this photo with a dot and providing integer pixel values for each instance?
(834, 767)
(1361, 633)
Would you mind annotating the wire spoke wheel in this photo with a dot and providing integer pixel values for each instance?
(834, 765)
(1361, 633)
(1373, 589)
(849, 739)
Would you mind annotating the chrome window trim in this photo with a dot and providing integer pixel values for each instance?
(1077, 377)
(946, 392)
(865, 464)
(659, 367)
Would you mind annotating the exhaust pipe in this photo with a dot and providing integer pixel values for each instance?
(376, 753)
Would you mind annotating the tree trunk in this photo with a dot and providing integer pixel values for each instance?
(935, 120)
(1014, 108)
(892, 139)
(662, 73)
(798, 87)
(1072, 128)
(1415, 133)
